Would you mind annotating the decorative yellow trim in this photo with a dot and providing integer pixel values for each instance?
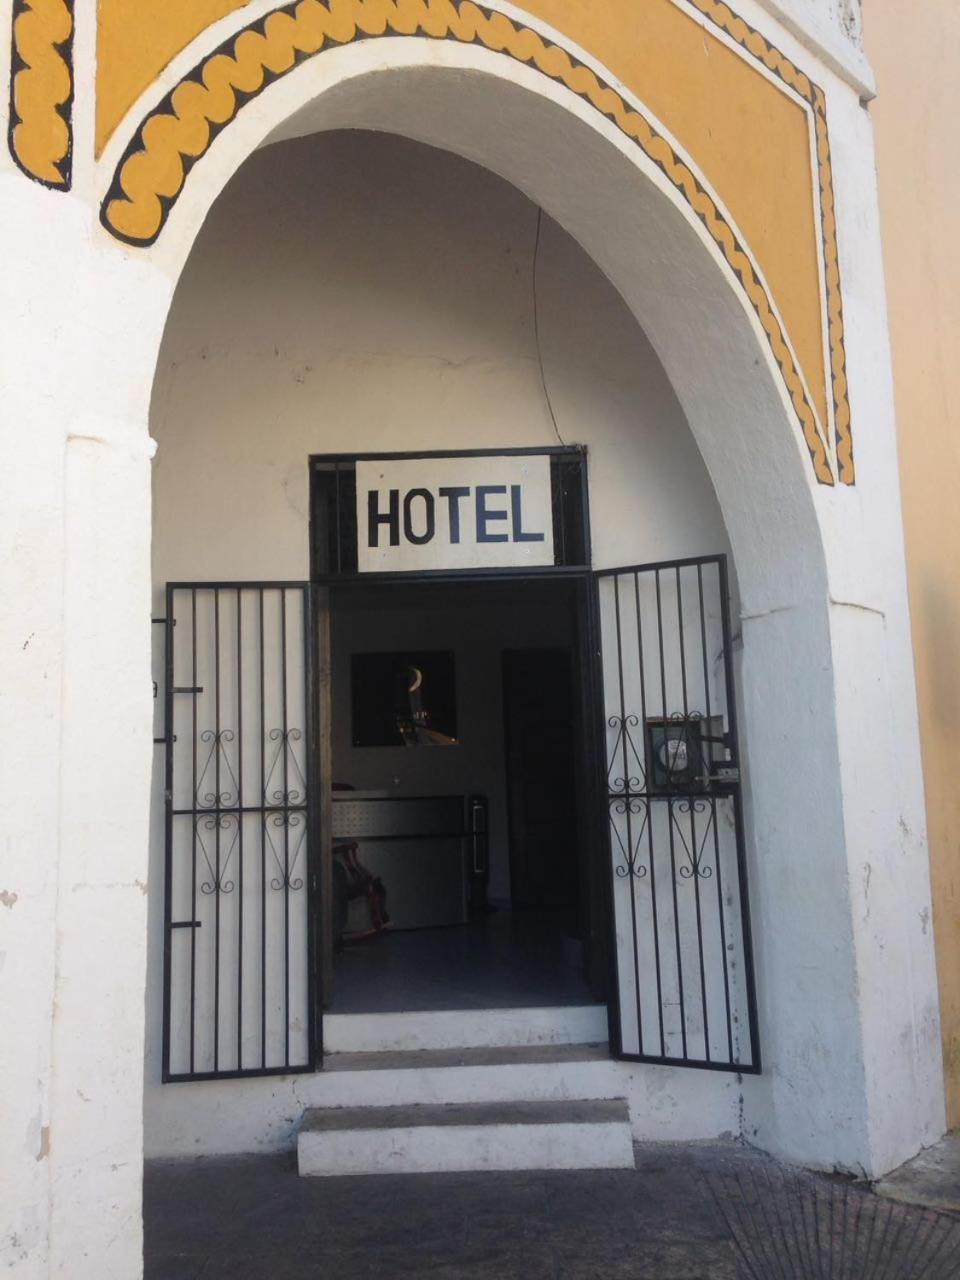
(174, 135)
(722, 16)
(41, 90)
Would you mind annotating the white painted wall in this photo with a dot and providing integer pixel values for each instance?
(385, 300)
(73, 801)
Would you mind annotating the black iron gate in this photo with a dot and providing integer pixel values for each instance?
(241, 888)
(680, 910)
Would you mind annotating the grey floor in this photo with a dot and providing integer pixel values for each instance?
(931, 1179)
(693, 1212)
(508, 959)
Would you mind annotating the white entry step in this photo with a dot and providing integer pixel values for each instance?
(466, 1137)
(463, 1028)
(508, 1073)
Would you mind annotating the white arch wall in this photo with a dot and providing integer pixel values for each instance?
(849, 1005)
(382, 298)
(356, 291)
(846, 978)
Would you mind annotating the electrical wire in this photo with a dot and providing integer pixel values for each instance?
(536, 330)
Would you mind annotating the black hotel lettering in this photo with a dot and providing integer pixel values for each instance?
(486, 508)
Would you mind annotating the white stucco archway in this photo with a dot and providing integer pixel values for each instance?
(791, 541)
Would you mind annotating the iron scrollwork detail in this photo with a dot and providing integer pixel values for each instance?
(694, 868)
(284, 794)
(218, 758)
(630, 807)
(215, 824)
(284, 767)
(286, 821)
(624, 750)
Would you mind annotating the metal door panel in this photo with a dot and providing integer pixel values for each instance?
(683, 955)
(240, 885)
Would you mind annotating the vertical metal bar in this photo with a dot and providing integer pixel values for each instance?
(239, 830)
(284, 745)
(650, 847)
(713, 811)
(627, 800)
(673, 854)
(319, 803)
(263, 850)
(336, 503)
(168, 727)
(321, 782)
(559, 479)
(694, 859)
(596, 753)
(585, 509)
(310, 708)
(755, 1056)
(216, 829)
(193, 821)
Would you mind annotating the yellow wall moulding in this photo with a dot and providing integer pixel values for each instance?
(179, 130)
(41, 89)
(753, 142)
(721, 90)
(782, 67)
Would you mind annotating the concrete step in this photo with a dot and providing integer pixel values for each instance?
(463, 1029)
(466, 1137)
(502, 1073)
(484, 1056)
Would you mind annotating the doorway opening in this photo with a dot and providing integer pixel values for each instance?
(466, 868)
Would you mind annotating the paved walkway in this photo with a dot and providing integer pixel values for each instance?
(696, 1212)
(932, 1179)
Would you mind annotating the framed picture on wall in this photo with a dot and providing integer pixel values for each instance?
(404, 699)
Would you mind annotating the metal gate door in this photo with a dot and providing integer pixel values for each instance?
(240, 886)
(681, 917)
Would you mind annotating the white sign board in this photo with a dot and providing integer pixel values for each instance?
(454, 513)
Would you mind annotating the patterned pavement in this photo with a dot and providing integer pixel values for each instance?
(691, 1212)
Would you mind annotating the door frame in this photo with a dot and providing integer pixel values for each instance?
(587, 648)
(592, 761)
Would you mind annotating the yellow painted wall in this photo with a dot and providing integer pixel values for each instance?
(915, 50)
(751, 140)
(135, 40)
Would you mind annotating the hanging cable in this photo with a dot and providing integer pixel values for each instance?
(536, 330)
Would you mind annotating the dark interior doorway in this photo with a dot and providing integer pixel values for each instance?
(461, 797)
(541, 776)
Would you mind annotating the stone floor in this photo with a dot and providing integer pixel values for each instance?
(694, 1212)
(505, 960)
(932, 1179)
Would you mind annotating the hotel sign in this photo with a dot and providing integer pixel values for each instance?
(454, 512)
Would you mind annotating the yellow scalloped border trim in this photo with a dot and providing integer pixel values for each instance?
(722, 16)
(178, 131)
(41, 90)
